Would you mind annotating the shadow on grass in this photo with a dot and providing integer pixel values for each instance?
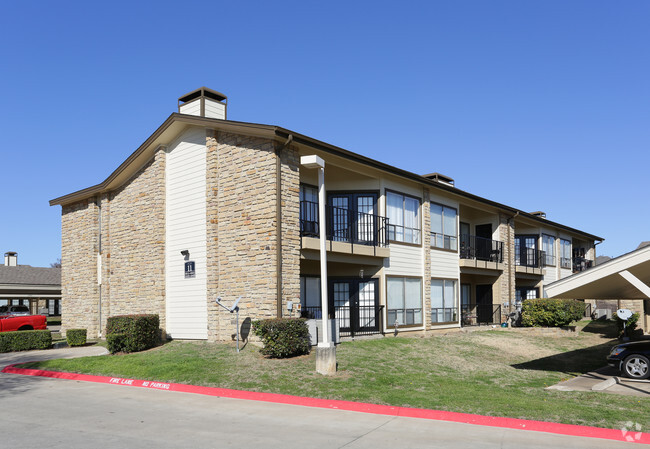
(606, 328)
(575, 362)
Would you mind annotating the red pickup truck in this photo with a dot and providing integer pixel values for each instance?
(22, 323)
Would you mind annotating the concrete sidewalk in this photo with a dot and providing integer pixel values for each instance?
(10, 358)
(606, 380)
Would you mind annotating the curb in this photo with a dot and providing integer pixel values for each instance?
(465, 418)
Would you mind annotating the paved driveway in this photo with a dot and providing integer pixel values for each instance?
(607, 380)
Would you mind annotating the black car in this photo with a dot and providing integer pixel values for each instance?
(632, 359)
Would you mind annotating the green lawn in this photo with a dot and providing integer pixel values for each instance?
(498, 373)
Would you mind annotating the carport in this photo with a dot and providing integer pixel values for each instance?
(625, 278)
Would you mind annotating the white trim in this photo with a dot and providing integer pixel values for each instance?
(632, 279)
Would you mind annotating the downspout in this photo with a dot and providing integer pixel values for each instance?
(278, 220)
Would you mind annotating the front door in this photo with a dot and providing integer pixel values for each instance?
(484, 309)
(352, 217)
(526, 250)
(484, 241)
(356, 305)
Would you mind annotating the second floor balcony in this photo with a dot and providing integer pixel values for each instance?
(345, 229)
(480, 252)
(581, 264)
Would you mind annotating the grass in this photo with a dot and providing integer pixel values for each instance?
(497, 373)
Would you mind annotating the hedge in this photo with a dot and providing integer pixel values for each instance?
(76, 337)
(550, 312)
(135, 332)
(25, 340)
(283, 337)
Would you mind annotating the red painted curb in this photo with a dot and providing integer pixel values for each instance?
(509, 423)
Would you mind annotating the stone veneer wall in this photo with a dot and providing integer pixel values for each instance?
(290, 172)
(133, 243)
(506, 282)
(79, 291)
(241, 229)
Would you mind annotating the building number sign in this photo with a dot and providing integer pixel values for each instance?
(189, 269)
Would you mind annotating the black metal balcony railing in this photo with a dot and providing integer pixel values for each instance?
(479, 248)
(530, 257)
(475, 314)
(344, 225)
(581, 264)
(352, 321)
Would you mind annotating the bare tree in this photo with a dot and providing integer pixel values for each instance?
(56, 264)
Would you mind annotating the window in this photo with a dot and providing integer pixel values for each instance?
(523, 293)
(565, 253)
(443, 301)
(403, 216)
(310, 296)
(404, 301)
(443, 227)
(308, 210)
(548, 246)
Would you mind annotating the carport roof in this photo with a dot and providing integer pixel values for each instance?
(624, 277)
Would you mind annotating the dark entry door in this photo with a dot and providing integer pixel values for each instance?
(352, 217)
(526, 250)
(484, 242)
(484, 307)
(356, 305)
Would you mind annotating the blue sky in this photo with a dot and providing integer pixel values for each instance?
(539, 105)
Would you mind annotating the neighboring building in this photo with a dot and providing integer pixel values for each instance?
(209, 207)
(620, 283)
(36, 287)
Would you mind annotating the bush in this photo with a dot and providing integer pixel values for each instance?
(76, 337)
(116, 343)
(25, 340)
(137, 332)
(630, 325)
(283, 337)
(547, 312)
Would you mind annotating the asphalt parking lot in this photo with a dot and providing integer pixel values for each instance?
(606, 380)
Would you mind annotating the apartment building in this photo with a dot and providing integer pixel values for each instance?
(209, 207)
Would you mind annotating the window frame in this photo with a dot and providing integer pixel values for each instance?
(548, 255)
(391, 325)
(455, 300)
(565, 262)
(444, 235)
(418, 218)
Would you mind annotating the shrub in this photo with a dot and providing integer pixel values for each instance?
(25, 340)
(550, 312)
(283, 337)
(116, 343)
(138, 332)
(630, 325)
(76, 337)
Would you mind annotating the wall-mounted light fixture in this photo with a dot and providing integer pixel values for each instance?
(186, 254)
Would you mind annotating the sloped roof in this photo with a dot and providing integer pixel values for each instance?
(176, 122)
(609, 280)
(26, 275)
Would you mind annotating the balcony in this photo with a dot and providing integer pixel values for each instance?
(529, 260)
(581, 264)
(347, 231)
(479, 252)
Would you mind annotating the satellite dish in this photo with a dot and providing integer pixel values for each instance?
(624, 314)
(234, 306)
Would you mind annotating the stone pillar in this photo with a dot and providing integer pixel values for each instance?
(426, 259)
